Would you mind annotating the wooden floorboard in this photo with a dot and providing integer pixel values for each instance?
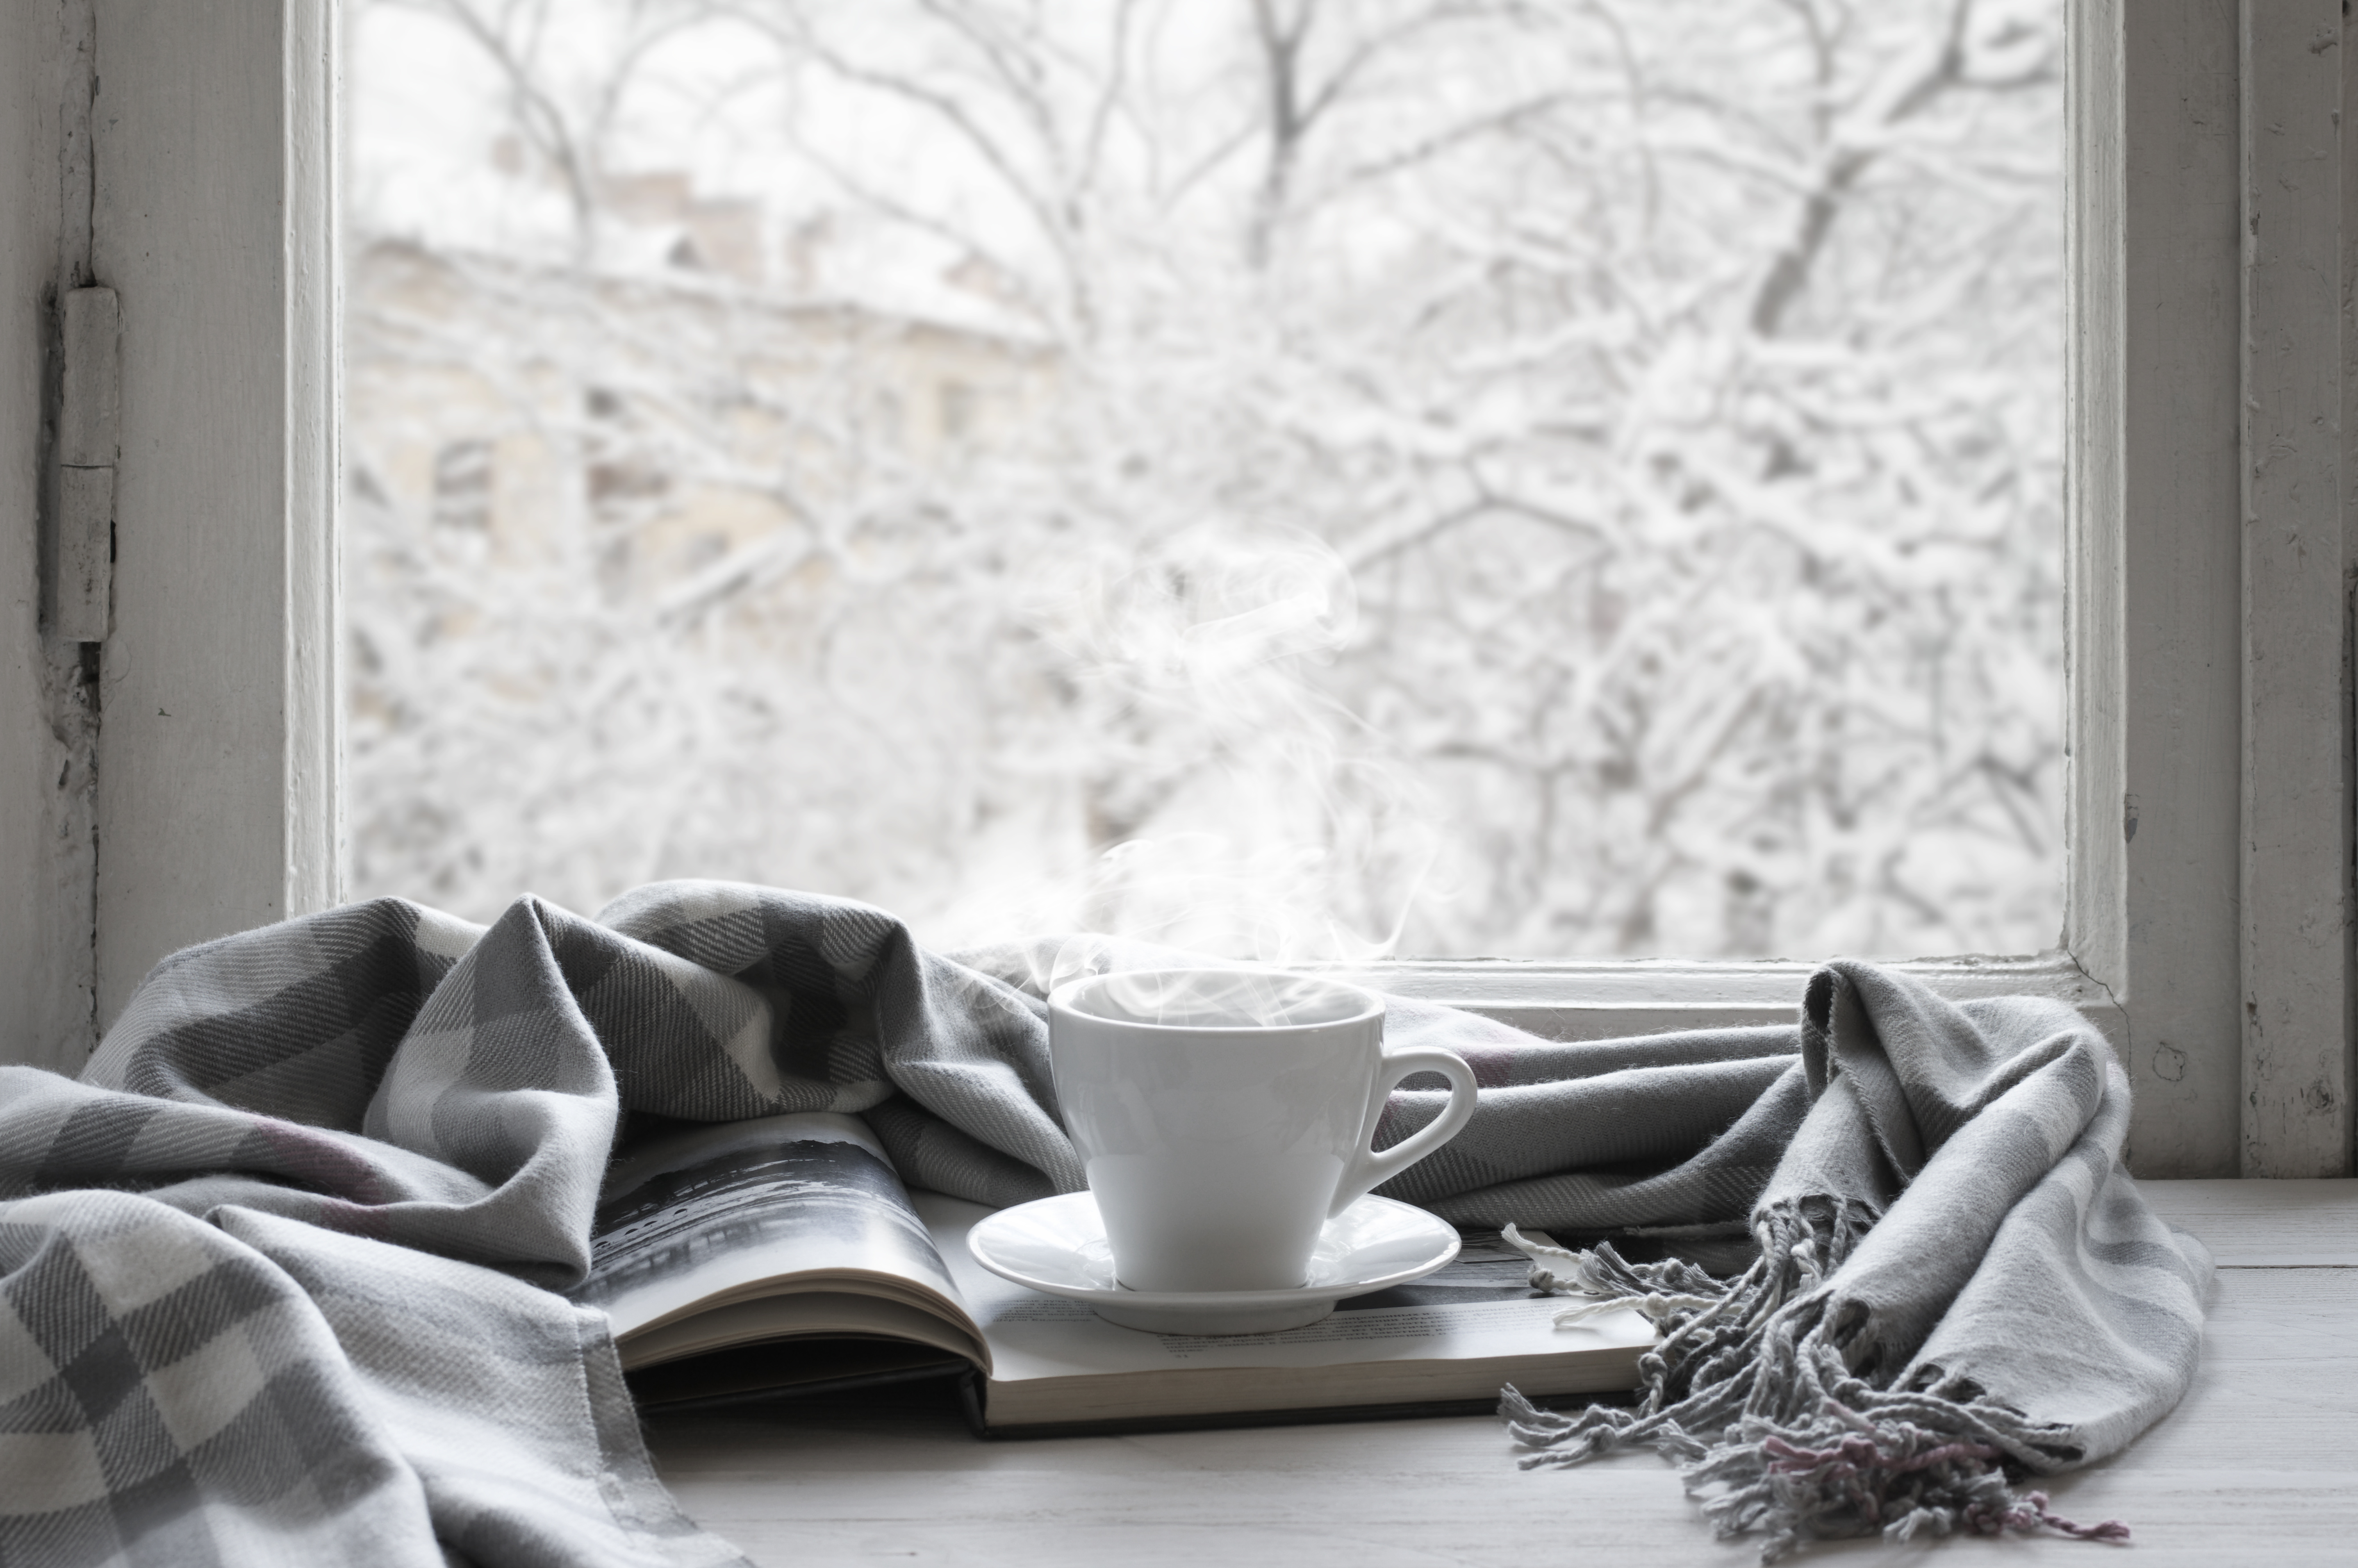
(2258, 1464)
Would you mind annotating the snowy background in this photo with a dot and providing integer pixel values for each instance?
(1304, 477)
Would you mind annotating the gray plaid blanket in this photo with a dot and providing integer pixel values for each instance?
(281, 1274)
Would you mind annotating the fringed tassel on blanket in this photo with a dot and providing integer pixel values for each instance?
(1749, 1393)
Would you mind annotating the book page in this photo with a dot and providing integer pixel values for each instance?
(728, 1213)
(1479, 1307)
(806, 1314)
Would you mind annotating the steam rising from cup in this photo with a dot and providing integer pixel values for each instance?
(1219, 998)
(1243, 811)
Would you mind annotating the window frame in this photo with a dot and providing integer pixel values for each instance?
(215, 216)
(212, 213)
(2208, 783)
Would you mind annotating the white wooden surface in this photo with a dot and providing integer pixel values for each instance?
(2256, 1465)
(2296, 741)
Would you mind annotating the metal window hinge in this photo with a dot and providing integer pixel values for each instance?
(89, 429)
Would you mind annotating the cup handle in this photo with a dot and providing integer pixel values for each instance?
(1372, 1169)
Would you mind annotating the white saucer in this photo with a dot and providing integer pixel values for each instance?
(1058, 1246)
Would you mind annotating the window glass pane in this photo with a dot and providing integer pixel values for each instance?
(1301, 477)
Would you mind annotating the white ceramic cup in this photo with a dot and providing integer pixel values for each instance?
(1223, 1116)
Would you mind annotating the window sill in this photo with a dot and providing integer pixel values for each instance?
(1607, 999)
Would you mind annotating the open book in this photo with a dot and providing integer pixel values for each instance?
(762, 1258)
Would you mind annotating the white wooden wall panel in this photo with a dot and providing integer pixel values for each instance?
(216, 774)
(2295, 744)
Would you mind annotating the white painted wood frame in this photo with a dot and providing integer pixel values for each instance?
(2153, 640)
(214, 222)
(2152, 944)
(2213, 240)
(2296, 739)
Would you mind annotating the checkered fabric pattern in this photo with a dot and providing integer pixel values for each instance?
(1958, 1286)
(257, 1390)
(280, 1273)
